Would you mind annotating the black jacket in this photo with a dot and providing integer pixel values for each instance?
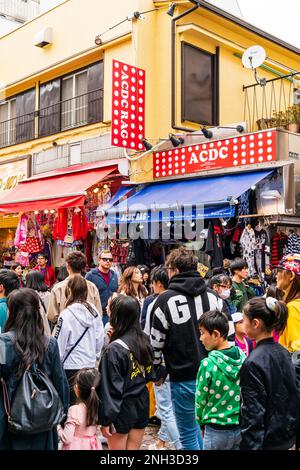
(270, 407)
(174, 327)
(121, 377)
(8, 371)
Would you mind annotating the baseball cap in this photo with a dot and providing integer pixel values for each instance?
(290, 263)
(237, 316)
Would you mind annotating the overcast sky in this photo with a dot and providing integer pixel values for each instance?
(280, 18)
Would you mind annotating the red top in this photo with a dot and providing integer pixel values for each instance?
(106, 276)
(49, 275)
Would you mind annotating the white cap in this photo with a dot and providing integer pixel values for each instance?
(237, 316)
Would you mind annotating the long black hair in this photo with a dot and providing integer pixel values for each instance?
(124, 318)
(26, 322)
(35, 280)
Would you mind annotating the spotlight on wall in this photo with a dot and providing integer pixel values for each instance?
(146, 144)
(171, 9)
(208, 134)
(175, 142)
(96, 190)
(271, 194)
(98, 40)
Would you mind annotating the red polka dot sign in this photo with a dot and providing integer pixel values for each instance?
(243, 150)
(128, 106)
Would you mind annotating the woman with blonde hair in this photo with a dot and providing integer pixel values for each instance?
(131, 284)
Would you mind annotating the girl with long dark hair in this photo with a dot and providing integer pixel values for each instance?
(79, 330)
(126, 367)
(270, 401)
(35, 281)
(80, 429)
(22, 345)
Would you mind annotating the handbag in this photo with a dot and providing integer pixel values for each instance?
(36, 405)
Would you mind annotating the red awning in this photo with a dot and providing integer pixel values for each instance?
(54, 191)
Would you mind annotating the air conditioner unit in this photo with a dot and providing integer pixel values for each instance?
(43, 38)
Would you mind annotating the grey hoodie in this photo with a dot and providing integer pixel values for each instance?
(71, 324)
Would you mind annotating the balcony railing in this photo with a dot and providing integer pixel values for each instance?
(276, 104)
(75, 112)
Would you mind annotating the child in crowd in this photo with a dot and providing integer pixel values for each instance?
(79, 431)
(270, 400)
(241, 339)
(126, 367)
(217, 386)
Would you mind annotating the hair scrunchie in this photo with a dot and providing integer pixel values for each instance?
(271, 303)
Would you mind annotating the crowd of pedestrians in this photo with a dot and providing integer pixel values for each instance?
(223, 363)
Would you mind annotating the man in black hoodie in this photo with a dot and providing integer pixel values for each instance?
(175, 334)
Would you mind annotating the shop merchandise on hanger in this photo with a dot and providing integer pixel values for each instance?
(293, 243)
(279, 247)
(248, 245)
(262, 248)
(214, 244)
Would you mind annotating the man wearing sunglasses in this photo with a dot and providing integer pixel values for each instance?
(105, 279)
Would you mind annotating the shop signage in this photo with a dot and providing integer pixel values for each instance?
(242, 150)
(12, 173)
(128, 106)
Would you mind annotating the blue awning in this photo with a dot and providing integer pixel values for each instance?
(189, 199)
(122, 191)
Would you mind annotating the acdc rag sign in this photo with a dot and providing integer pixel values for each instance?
(243, 150)
(128, 106)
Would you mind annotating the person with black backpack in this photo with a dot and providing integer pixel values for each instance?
(34, 389)
(175, 336)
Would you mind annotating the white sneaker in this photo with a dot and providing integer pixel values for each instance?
(153, 447)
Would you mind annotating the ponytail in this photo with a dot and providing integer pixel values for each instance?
(92, 405)
(87, 381)
(272, 312)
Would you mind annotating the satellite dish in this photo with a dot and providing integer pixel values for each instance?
(254, 57)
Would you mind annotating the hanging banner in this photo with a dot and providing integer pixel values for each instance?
(243, 150)
(128, 106)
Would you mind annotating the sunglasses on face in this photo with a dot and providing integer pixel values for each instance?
(107, 259)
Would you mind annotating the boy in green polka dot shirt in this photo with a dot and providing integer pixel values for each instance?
(218, 385)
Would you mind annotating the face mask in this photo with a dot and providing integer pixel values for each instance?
(225, 294)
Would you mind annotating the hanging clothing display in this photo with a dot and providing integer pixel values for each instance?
(262, 249)
(214, 245)
(80, 226)
(248, 245)
(293, 244)
(279, 248)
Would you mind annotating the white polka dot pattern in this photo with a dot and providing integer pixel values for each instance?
(257, 148)
(128, 108)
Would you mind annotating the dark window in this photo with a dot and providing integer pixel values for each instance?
(25, 116)
(199, 85)
(72, 101)
(49, 115)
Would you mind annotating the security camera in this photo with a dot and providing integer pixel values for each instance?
(98, 40)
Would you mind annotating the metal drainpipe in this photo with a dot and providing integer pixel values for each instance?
(173, 39)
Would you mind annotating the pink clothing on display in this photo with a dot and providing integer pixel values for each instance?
(76, 435)
(21, 232)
